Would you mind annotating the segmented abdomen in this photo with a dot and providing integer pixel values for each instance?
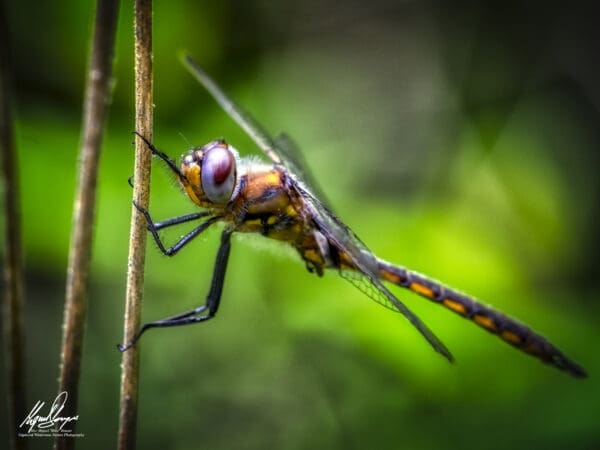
(509, 330)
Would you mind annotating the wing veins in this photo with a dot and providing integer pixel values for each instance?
(366, 266)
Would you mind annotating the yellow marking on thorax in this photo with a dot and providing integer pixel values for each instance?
(252, 225)
(455, 306)
(289, 234)
(421, 290)
(265, 195)
(291, 211)
(257, 185)
(258, 181)
(313, 255)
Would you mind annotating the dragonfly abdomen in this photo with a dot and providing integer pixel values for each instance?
(508, 329)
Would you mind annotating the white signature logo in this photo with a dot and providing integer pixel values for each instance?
(36, 420)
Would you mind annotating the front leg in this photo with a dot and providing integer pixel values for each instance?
(212, 299)
(156, 152)
(154, 227)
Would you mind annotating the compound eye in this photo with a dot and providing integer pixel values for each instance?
(218, 174)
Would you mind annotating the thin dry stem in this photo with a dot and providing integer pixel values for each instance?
(137, 252)
(94, 116)
(13, 264)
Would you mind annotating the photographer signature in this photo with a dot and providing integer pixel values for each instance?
(37, 420)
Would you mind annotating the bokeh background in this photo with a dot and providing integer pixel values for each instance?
(458, 139)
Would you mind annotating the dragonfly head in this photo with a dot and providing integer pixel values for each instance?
(210, 173)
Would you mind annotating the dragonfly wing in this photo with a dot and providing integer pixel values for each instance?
(361, 269)
(378, 292)
(294, 161)
(252, 128)
(281, 150)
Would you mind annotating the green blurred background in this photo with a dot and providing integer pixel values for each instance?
(460, 140)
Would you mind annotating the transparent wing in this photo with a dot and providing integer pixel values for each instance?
(294, 161)
(236, 112)
(281, 150)
(360, 267)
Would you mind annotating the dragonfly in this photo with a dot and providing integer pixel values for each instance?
(280, 200)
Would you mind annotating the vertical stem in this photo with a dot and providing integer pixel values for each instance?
(12, 307)
(95, 111)
(137, 253)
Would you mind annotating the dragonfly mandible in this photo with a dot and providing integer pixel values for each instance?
(279, 200)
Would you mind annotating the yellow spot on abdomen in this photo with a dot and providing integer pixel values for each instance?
(389, 276)
(484, 321)
(533, 349)
(511, 337)
(421, 290)
(455, 306)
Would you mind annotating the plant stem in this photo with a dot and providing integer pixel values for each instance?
(137, 252)
(95, 110)
(14, 351)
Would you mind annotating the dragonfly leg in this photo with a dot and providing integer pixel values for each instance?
(212, 299)
(161, 155)
(154, 227)
(179, 219)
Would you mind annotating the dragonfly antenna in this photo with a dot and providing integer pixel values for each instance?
(185, 139)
